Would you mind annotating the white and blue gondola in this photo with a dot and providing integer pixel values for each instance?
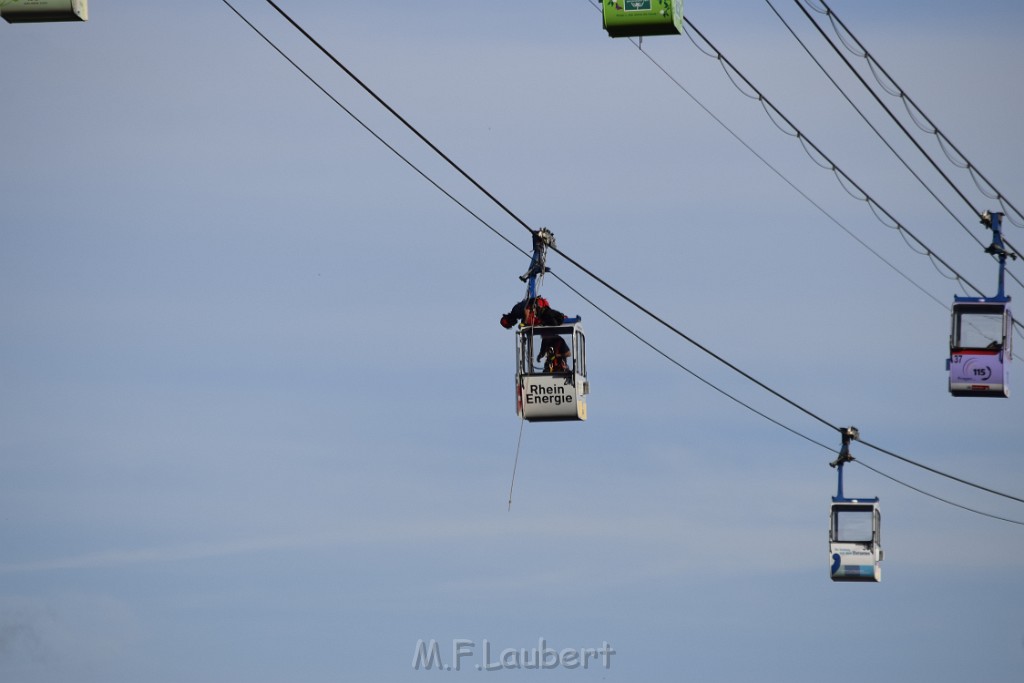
(854, 542)
(855, 528)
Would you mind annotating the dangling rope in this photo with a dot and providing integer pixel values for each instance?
(515, 465)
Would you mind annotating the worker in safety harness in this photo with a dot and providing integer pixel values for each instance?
(554, 352)
(532, 312)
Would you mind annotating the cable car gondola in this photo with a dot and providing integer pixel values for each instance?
(551, 387)
(855, 529)
(980, 347)
(981, 338)
(627, 18)
(33, 11)
(551, 354)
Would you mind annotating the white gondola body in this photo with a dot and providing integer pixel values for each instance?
(543, 396)
(32, 11)
(855, 548)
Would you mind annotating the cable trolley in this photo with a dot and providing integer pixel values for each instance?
(981, 340)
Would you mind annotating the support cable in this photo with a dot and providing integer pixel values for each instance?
(366, 127)
(513, 244)
(888, 111)
(770, 166)
(882, 104)
(1017, 218)
(786, 180)
(872, 126)
(506, 239)
(398, 116)
(682, 367)
(600, 280)
(941, 473)
(847, 181)
(938, 498)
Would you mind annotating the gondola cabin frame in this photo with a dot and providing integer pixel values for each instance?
(980, 347)
(855, 540)
(544, 394)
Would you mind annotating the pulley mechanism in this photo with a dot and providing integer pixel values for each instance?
(542, 239)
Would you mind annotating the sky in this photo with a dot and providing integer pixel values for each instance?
(257, 419)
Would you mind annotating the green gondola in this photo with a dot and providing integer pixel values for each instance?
(625, 18)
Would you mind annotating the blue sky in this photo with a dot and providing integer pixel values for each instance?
(257, 419)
